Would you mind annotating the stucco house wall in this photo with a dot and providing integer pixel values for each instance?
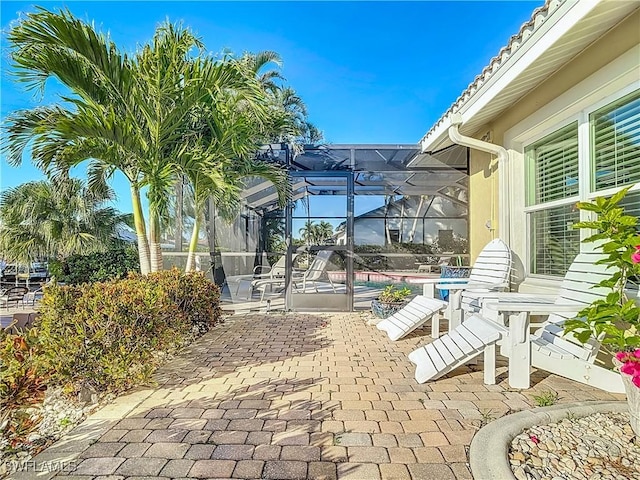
(604, 71)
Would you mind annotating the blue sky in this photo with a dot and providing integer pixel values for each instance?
(369, 72)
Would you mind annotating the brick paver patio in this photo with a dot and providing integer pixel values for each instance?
(305, 396)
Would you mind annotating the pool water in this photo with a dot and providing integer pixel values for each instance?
(415, 288)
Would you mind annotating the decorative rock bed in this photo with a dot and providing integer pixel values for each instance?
(56, 416)
(584, 440)
(597, 446)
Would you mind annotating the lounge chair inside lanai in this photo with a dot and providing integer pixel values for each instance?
(547, 348)
(307, 278)
(241, 286)
(490, 273)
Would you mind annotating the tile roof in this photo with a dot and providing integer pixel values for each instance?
(538, 17)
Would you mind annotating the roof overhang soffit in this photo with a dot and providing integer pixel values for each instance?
(559, 37)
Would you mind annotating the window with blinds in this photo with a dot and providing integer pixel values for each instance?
(554, 241)
(615, 143)
(631, 204)
(553, 166)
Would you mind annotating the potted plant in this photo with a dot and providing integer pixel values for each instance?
(390, 300)
(615, 319)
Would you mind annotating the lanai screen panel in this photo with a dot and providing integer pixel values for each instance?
(409, 208)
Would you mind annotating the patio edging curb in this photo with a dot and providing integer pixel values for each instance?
(489, 450)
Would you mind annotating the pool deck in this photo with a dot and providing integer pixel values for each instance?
(7, 313)
(395, 276)
(297, 396)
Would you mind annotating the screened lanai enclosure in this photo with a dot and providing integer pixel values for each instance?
(361, 217)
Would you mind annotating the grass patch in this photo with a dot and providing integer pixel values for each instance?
(546, 398)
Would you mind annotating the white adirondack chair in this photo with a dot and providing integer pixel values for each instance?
(490, 273)
(546, 348)
(411, 316)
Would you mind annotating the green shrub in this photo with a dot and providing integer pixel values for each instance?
(106, 336)
(194, 294)
(112, 264)
(22, 373)
(393, 294)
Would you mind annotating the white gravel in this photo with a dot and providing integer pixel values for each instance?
(56, 416)
(600, 446)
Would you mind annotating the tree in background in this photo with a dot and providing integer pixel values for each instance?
(57, 219)
(316, 233)
(274, 232)
(114, 263)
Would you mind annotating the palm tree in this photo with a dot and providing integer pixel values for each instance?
(287, 120)
(161, 68)
(257, 63)
(132, 118)
(325, 231)
(229, 130)
(311, 134)
(164, 112)
(100, 121)
(316, 233)
(219, 160)
(44, 219)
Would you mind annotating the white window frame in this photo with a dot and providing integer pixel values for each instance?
(554, 203)
(597, 106)
(612, 82)
(528, 210)
(585, 171)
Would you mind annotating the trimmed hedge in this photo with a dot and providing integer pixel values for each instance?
(106, 335)
(102, 337)
(112, 264)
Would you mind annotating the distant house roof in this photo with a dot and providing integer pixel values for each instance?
(556, 33)
(394, 207)
(126, 233)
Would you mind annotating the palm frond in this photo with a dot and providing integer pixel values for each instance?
(47, 44)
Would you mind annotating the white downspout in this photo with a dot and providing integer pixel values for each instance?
(503, 183)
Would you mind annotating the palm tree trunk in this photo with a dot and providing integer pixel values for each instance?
(412, 232)
(387, 203)
(401, 233)
(193, 245)
(154, 242)
(141, 231)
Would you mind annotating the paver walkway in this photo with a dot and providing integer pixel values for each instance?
(304, 396)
